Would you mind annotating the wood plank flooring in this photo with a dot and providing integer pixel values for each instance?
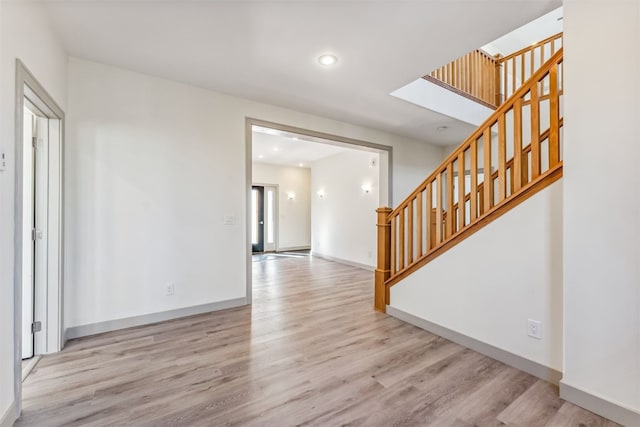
(310, 351)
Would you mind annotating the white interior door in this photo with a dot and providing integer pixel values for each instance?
(34, 231)
(41, 233)
(28, 222)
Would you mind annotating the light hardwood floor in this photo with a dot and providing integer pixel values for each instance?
(310, 350)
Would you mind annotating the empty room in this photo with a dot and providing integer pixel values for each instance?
(280, 213)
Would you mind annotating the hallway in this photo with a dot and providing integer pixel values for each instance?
(310, 350)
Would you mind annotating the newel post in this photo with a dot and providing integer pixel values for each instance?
(383, 270)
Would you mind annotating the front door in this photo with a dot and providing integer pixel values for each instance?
(257, 219)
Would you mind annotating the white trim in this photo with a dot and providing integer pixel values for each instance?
(518, 362)
(294, 248)
(28, 367)
(147, 319)
(343, 261)
(26, 83)
(598, 405)
(10, 416)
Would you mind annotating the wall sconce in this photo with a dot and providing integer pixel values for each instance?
(321, 193)
(366, 188)
(291, 195)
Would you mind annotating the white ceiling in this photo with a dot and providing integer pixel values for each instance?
(290, 150)
(533, 32)
(267, 50)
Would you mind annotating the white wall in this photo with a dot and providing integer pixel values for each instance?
(24, 33)
(490, 284)
(343, 221)
(294, 216)
(152, 168)
(602, 201)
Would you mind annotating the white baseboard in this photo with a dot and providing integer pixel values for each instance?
(343, 261)
(518, 362)
(600, 406)
(10, 416)
(294, 248)
(147, 319)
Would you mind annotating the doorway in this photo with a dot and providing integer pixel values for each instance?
(38, 225)
(326, 189)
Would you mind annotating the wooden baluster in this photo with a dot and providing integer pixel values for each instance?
(535, 132)
(488, 180)
(401, 240)
(518, 180)
(394, 244)
(513, 76)
(383, 270)
(431, 236)
(439, 208)
(461, 193)
(554, 122)
(522, 77)
(497, 98)
(473, 191)
(505, 82)
(450, 213)
(410, 232)
(502, 158)
(430, 228)
(419, 233)
(464, 72)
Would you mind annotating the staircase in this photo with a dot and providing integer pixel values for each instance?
(514, 154)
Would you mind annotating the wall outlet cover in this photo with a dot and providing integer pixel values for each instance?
(534, 329)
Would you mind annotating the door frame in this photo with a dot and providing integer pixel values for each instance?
(339, 140)
(28, 86)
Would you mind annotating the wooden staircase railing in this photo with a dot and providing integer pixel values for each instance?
(475, 75)
(489, 174)
(520, 66)
(490, 80)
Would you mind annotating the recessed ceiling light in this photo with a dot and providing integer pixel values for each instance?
(327, 59)
(276, 149)
(260, 156)
(301, 164)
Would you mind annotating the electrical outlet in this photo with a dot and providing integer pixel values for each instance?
(170, 289)
(534, 329)
(369, 254)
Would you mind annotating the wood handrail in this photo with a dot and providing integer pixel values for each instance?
(430, 220)
(480, 130)
(490, 80)
(531, 47)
